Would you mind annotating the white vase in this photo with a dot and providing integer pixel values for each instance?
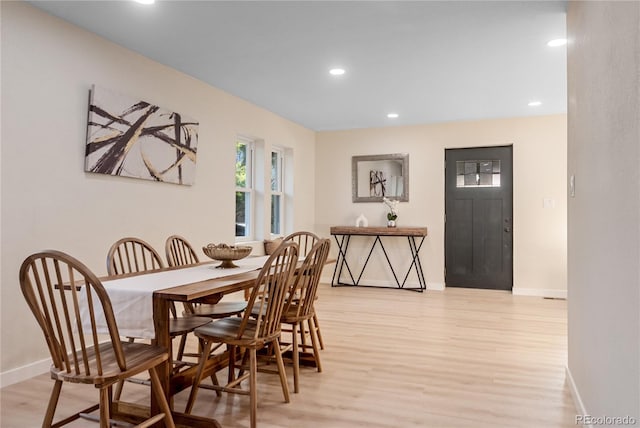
(362, 221)
(391, 223)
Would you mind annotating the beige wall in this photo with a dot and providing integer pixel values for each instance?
(48, 201)
(539, 164)
(604, 215)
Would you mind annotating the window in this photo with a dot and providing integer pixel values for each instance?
(263, 189)
(478, 173)
(277, 191)
(244, 189)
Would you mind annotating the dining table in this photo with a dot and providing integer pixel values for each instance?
(142, 306)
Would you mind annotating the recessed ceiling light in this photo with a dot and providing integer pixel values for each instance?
(337, 71)
(557, 42)
(534, 103)
(392, 115)
(145, 1)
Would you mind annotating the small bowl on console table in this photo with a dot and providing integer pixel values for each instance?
(226, 254)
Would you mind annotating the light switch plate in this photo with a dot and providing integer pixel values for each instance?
(572, 186)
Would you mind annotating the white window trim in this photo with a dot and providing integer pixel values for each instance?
(280, 191)
(249, 188)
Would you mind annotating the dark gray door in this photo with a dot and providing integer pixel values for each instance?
(478, 218)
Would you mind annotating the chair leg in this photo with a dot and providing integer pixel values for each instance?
(245, 357)
(281, 372)
(183, 343)
(303, 336)
(232, 363)
(314, 342)
(118, 391)
(120, 384)
(198, 379)
(317, 329)
(161, 398)
(295, 352)
(253, 386)
(214, 381)
(53, 403)
(104, 408)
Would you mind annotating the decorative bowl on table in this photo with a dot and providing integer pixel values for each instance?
(226, 254)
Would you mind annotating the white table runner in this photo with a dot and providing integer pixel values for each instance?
(132, 297)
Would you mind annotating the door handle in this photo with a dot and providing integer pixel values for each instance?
(507, 229)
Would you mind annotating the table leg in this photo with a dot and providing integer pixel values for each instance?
(163, 339)
(343, 245)
(415, 250)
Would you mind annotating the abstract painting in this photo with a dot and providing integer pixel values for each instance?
(133, 138)
(377, 183)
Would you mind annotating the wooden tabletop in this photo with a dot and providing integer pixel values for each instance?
(378, 231)
(193, 291)
(219, 286)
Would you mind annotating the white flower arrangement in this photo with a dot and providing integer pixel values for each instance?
(393, 208)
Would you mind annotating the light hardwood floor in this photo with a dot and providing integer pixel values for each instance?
(456, 358)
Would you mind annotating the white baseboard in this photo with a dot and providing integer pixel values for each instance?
(540, 292)
(20, 374)
(575, 394)
(436, 286)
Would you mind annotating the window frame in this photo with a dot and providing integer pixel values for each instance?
(279, 191)
(248, 189)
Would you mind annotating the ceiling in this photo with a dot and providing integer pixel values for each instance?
(427, 61)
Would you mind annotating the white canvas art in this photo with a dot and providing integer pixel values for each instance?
(134, 138)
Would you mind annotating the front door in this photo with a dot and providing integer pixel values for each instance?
(479, 218)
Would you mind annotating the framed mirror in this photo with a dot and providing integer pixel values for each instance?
(377, 176)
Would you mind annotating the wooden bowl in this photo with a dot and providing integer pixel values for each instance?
(226, 254)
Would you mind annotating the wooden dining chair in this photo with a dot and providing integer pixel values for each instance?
(299, 306)
(253, 333)
(180, 253)
(306, 241)
(62, 292)
(132, 255)
(129, 255)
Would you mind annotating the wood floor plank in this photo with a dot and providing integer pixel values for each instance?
(456, 358)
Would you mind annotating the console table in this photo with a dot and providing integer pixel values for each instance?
(343, 235)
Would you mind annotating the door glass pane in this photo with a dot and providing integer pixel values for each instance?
(485, 179)
(478, 173)
(470, 180)
(485, 167)
(470, 167)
